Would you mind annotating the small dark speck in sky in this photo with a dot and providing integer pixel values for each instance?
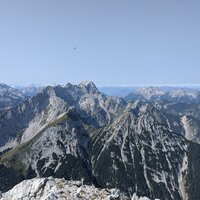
(75, 48)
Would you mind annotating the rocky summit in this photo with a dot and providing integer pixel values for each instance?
(51, 189)
(146, 145)
(10, 97)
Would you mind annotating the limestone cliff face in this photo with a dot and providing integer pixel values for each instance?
(10, 97)
(51, 189)
(77, 133)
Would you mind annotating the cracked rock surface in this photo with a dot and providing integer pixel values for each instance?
(51, 189)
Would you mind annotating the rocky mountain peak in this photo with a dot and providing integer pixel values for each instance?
(50, 90)
(50, 188)
(10, 97)
(3, 85)
(89, 85)
(190, 94)
(149, 92)
(69, 85)
(5, 89)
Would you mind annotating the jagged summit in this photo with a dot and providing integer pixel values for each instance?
(51, 189)
(86, 83)
(3, 85)
(164, 93)
(42, 109)
(89, 85)
(144, 147)
(50, 90)
(10, 97)
(149, 92)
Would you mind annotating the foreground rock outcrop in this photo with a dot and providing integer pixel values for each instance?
(51, 189)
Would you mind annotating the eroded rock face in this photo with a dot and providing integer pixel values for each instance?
(140, 154)
(51, 189)
(75, 132)
(22, 123)
(182, 107)
(10, 97)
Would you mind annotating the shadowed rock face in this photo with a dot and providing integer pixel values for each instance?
(140, 154)
(10, 97)
(75, 132)
(181, 106)
(24, 121)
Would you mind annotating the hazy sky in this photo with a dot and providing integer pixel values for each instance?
(111, 42)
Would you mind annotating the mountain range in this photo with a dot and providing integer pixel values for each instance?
(144, 144)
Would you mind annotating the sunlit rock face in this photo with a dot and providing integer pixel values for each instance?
(146, 148)
(51, 189)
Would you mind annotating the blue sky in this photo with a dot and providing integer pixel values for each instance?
(111, 42)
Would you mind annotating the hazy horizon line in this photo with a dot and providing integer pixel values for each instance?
(105, 85)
